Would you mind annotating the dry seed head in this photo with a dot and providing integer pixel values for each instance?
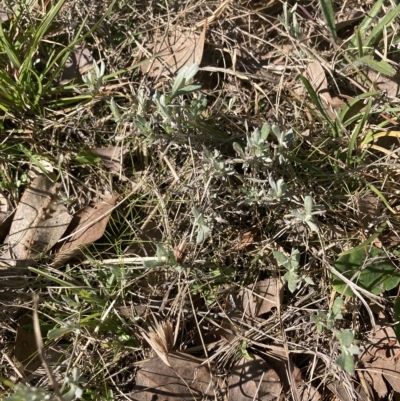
(161, 339)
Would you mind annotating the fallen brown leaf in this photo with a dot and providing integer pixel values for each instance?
(186, 379)
(39, 222)
(389, 85)
(316, 75)
(253, 380)
(379, 358)
(176, 49)
(247, 238)
(346, 18)
(277, 359)
(111, 157)
(260, 298)
(87, 226)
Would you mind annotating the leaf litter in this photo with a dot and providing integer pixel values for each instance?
(316, 75)
(175, 49)
(111, 157)
(381, 358)
(39, 222)
(87, 226)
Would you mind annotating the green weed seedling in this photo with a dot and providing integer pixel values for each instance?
(202, 229)
(346, 361)
(284, 138)
(163, 257)
(95, 80)
(291, 264)
(307, 215)
(259, 150)
(278, 189)
(289, 21)
(327, 320)
(346, 338)
(217, 165)
(369, 267)
(252, 194)
(72, 384)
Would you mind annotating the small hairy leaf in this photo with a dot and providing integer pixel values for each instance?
(346, 363)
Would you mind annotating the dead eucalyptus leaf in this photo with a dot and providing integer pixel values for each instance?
(186, 379)
(39, 222)
(88, 225)
(278, 360)
(380, 358)
(316, 75)
(176, 49)
(111, 157)
(25, 349)
(253, 380)
(260, 298)
(389, 85)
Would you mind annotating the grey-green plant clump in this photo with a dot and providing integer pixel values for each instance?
(257, 193)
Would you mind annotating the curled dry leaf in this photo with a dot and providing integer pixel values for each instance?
(111, 157)
(39, 222)
(186, 379)
(87, 226)
(176, 49)
(253, 380)
(380, 358)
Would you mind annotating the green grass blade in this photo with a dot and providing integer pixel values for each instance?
(50, 277)
(381, 66)
(327, 10)
(34, 160)
(356, 133)
(376, 32)
(10, 50)
(367, 22)
(317, 102)
(382, 198)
